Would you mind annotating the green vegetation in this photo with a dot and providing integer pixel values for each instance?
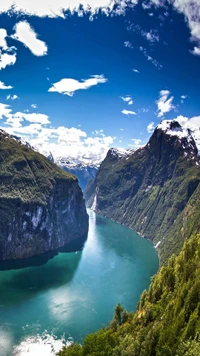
(155, 191)
(41, 206)
(25, 174)
(167, 320)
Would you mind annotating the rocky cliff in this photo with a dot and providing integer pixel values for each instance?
(41, 206)
(154, 190)
(83, 171)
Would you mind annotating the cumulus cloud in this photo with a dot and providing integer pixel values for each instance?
(25, 34)
(61, 141)
(136, 70)
(191, 11)
(4, 110)
(164, 103)
(34, 106)
(33, 117)
(150, 127)
(58, 8)
(7, 54)
(69, 86)
(7, 59)
(3, 86)
(128, 112)
(3, 35)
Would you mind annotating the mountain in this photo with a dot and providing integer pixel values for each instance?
(167, 319)
(41, 206)
(85, 171)
(155, 190)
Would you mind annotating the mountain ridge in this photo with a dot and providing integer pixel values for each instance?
(41, 206)
(149, 190)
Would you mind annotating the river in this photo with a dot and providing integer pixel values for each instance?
(46, 303)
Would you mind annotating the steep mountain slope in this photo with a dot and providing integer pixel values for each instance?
(84, 171)
(41, 206)
(167, 320)
(151, 190)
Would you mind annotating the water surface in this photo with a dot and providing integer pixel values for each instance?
(73, 293)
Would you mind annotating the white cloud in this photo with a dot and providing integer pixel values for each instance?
(126, 98)
(56, 8)
(33, 117)
(128, 44)
(191, 11)
(61, 141)
(7, 59)
(196, 50)
(136, 70)
(149, 58)
(7, 54)
(34, 106)
(3, 86)
(193, 124)
(164, 103)
(12, 97)
(152, 36)
(136, 142)
(4, 110)
(68, 86)
(183, 97)
(25, 34)
(3, 35)
(128, 112)
(150, 127)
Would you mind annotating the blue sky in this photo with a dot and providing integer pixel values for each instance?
(81, 80)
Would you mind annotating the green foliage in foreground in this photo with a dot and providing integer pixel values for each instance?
(167, 320)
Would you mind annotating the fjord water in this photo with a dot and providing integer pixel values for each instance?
(74, 293)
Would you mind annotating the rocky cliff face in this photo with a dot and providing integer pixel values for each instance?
(41, 207)
(151, 190)
(83, 171)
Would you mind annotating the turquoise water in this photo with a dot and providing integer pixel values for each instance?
(74, 293)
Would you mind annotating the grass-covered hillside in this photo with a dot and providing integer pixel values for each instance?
(154, 191)
(167, 320)
(25, 173)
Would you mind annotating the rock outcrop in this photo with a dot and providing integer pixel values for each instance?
(41, 206)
